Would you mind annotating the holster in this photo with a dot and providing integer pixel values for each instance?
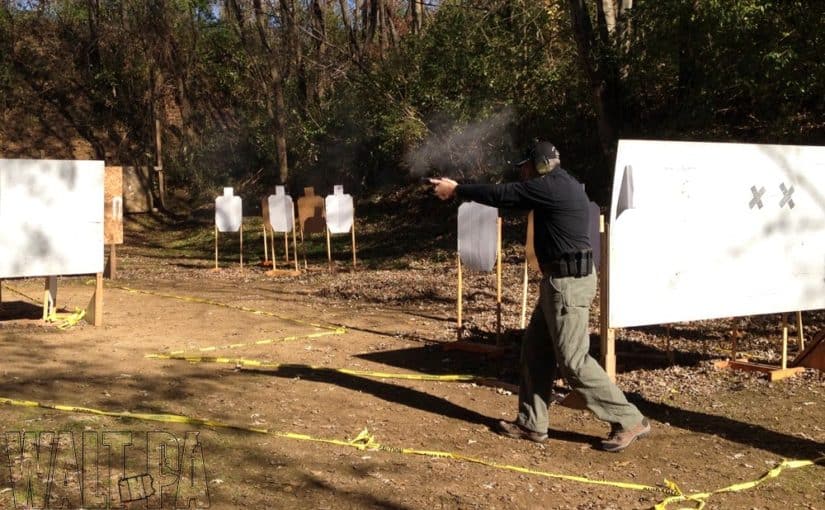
(576, 264)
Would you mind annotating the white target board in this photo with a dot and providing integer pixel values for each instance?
(228, 212)
(340, 211)
(51, 217)
(708, 230)
(281, 211)
(477, 236)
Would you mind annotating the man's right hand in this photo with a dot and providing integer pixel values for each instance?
(444, 187)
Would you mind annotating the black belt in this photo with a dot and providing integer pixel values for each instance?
(576, 264)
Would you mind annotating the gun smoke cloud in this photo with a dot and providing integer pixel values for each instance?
(469, 151)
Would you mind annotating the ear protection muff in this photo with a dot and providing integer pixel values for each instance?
(542, 163)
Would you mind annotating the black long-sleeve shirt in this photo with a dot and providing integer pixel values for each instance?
(561, 210)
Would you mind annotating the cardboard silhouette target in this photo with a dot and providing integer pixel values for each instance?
(310, 216)
(280, 216)
(112, 215)
(340, 218)
(479, 249)
(228, 218)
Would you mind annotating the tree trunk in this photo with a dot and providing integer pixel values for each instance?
(416, 11)
(589, 59)
(278, 113)
(354, 46)
(319, 9)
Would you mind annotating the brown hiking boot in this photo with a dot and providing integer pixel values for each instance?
(620, 438)
(516, 431)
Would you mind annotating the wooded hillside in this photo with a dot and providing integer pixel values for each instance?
(366, 92)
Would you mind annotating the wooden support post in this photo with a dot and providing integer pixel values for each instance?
(498, 282)
(774, 373)
(94, 312)
(800, 334)
(286, 245)
(353, 245)
(110, 270)
(460, 290)
(294, 248)
(329, 248)
(607, 334)
(50, 297)
(241, 236)
(216, 247)
(272, 244)
(525, 288)
(266, 248)
(784, 341)
(304, 248)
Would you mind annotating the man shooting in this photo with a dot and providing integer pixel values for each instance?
(557, 336)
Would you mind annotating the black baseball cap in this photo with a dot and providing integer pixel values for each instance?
(539, 152)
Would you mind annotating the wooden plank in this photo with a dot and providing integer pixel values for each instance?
(607, 335)
(814, 355)
(94, 312)
(774, 373)
(498, 281)
(460, 290)
(50, 296)
(525, 288)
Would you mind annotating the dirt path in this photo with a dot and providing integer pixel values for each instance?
(711, 429)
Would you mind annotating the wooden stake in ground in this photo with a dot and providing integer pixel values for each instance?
(530, 262)
(607, 334)
(498, 281)
(265, 228)
(525, 288)
(50, 297)
(460, 325)
(94, 311)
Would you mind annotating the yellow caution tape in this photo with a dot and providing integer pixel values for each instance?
(191, 299)
(252, 363)
(19, 293)
(700, 498)
(366, 441)
(268, 341)
(363, 441)
(66, 320)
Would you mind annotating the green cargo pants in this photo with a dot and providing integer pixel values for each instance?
(558, 337)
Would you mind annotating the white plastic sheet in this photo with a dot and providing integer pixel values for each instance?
(51, 217)
(710, 230)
